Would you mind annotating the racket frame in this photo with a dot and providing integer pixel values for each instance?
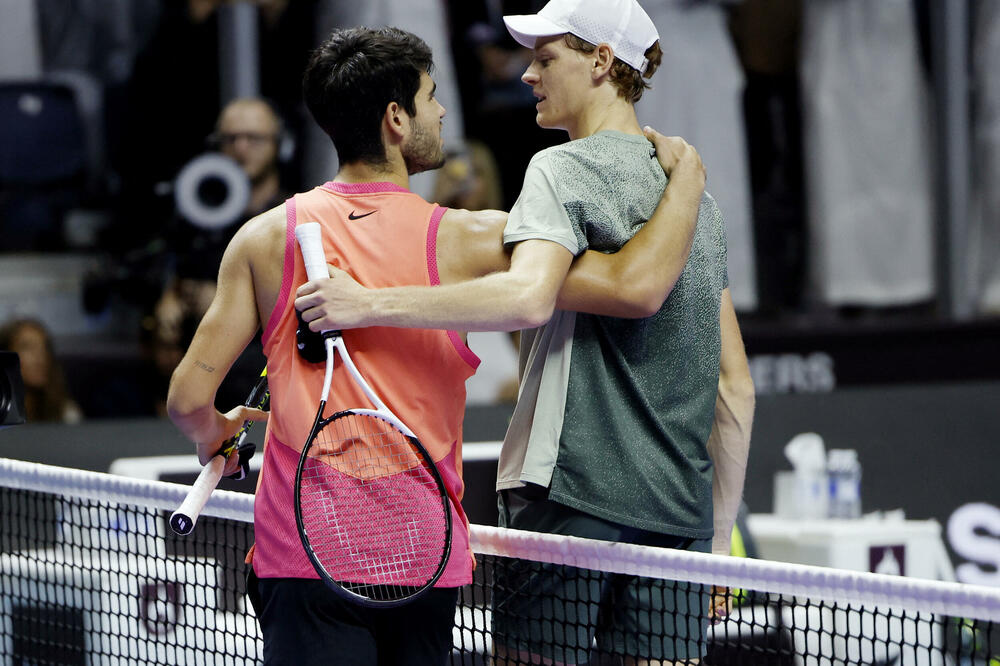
(334, 341)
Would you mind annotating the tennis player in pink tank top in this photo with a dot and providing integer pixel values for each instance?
(371, 91)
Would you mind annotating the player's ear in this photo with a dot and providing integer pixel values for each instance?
(396, 120)
(603, 58)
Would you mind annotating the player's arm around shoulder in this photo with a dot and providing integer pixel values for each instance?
(636, 280)
(470, 244)
(224, 331)
(482, 298)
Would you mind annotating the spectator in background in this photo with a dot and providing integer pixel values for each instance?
(470, 179)
(251, 132)
(174, 97)
(169, 329)
(46, 397)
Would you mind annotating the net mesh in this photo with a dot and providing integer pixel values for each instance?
(91, 574)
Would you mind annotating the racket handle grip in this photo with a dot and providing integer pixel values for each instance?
(182, 521)
(310, 237)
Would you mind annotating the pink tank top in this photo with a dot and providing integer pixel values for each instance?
(383, 235)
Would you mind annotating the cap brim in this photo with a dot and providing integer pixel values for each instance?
(526, 28)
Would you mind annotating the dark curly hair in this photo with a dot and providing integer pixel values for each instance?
(351, 79)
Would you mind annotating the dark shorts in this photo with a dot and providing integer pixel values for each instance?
(559, 612)
(305, 623)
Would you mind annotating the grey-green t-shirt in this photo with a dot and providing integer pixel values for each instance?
(614, 414)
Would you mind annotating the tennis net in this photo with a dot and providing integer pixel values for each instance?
(90, 573)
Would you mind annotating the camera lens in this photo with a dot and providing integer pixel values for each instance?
(213, 191)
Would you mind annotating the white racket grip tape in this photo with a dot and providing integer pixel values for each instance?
(183, 519)
(310, 238)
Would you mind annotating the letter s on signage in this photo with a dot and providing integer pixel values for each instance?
(974, 533)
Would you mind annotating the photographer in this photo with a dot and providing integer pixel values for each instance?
(250, 133)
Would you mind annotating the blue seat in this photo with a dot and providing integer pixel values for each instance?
(43, 163)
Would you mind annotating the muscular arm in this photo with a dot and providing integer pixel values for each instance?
(636, 280)
(224, 331)
(632, 282)
(522, 297)
(729, 443)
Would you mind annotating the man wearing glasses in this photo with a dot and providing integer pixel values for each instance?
(250, 132)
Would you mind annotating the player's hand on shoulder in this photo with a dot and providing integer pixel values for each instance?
(333, 303)
(673, 153)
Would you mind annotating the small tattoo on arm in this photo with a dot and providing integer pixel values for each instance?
(204, 366)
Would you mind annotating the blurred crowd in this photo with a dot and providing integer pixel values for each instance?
(815, 121)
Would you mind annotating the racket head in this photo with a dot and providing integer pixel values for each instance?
(372, 510)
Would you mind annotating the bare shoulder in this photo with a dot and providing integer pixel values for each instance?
(463, 217)
(469, 222)
(260, 246)
(265, 233)
(470, 244)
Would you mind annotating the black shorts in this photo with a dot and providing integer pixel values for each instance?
(305, 623)
(562, 613)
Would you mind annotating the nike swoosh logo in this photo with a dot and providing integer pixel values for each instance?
(352, 216)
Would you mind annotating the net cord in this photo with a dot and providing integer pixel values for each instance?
(945, 598)
(119, 489)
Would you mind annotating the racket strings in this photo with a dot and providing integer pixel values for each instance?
(374, 512)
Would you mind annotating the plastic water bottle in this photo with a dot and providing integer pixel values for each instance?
(844, 474)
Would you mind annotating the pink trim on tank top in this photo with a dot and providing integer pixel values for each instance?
(288, 272)
(463, 350)
(363, 188)
(435, 279)
(432, 236)
(458, 571)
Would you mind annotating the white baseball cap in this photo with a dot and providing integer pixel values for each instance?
(621, 24)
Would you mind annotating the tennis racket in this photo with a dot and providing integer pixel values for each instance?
(183, 519)
(372, 511)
